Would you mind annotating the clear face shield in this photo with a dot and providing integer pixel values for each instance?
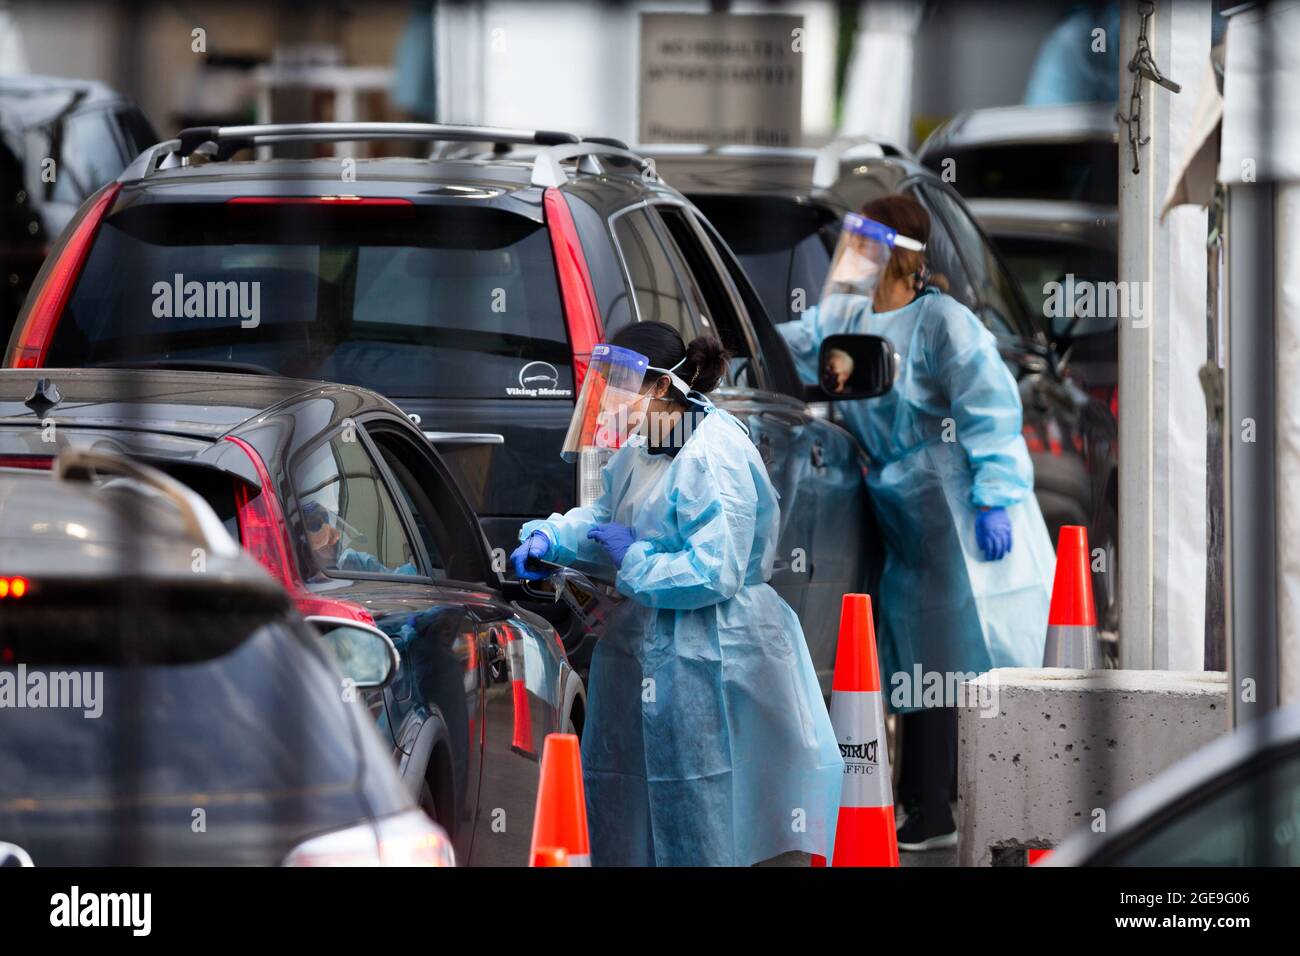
(610, 407)
(861, 255)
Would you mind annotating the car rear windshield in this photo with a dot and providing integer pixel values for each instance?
(413, 301)
(1079, 171)
(229, 711)
(783, 245)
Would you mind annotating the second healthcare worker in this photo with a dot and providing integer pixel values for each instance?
(968, 560)
(707, 741)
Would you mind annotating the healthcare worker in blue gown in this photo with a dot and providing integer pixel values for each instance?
(707, 740)
(968, 560)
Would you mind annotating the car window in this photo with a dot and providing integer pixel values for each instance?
(990, 286)
(947, 271)
(714, 295)
(89, 156)
(429, 524)
(784, 246)
(1255, 821)
(138, 134)
(229, 703)
(1086, 171)
(655, 284)
(412, 301)
(347, 512)
(1037, 262)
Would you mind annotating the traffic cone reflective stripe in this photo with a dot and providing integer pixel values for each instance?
(864, 831)
(560, 822)
(1072, 621)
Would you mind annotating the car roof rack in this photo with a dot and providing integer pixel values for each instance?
(229, 140)
(826, 168)
(548, 171)
(202, 523)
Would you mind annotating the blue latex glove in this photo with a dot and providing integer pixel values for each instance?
(993, 533)
(614, 538)
(535, 546)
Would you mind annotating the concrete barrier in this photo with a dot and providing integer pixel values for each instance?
(1061, 745)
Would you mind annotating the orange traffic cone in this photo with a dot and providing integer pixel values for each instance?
(550, 856)
(522, 738)
(865, 831)
(1072, 621)
(560, 824)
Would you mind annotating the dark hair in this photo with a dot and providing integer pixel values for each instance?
(909, 218)
(706, 359)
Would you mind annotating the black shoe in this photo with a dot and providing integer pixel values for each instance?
(921, 832)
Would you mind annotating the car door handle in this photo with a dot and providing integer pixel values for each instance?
(465, 438)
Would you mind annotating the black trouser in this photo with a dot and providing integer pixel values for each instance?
(929, 757)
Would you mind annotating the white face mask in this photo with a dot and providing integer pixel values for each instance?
(853, 267)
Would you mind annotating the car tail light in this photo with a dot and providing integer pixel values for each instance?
(265, 535)
(13, 587)
(368, 202)
(27, 461)
(57, 280)
(407, 839)
(580, 311)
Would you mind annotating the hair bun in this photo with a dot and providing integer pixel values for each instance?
(706, 363)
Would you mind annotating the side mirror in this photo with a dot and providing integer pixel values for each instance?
(856, 366)
(365, 654)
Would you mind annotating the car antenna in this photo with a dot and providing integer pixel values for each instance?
(43, 397)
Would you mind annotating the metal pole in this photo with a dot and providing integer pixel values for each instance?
(1251, 558)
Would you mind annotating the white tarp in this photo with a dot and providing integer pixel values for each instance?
(878, 89)
(1261, 111)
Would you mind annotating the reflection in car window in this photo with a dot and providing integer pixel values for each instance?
(658, 293)
(348, 516)
(990, 286)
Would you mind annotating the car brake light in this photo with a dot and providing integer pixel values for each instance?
(580, 312)
(265, 536)
(370, 202)
(37, 332)
(13, 587)
(406, 839)
(26, 461)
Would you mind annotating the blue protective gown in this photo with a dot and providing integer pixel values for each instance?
(942, 605)
(707, 740)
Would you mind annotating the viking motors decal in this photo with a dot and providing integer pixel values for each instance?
(539, 380)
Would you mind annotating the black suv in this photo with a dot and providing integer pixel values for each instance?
(780, 209)
(469, 290)
(60, 140)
